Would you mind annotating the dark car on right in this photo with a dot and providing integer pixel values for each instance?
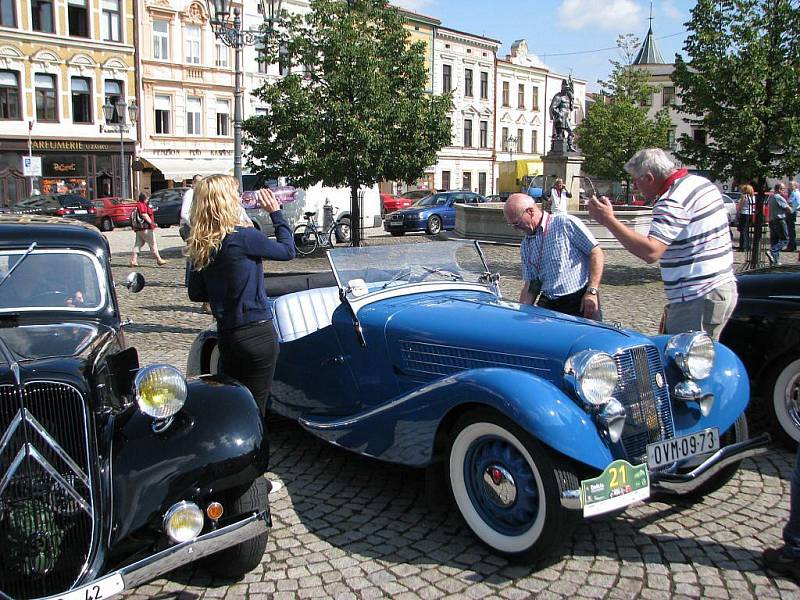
(764, 332)
(166, 205)
(430, 214)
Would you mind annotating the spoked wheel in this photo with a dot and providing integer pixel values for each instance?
(783, 394)
(342, 231)
(434, 225)
(506, 486)
(305, 239)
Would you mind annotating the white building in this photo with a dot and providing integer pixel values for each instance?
(525, 88)
(465, 64)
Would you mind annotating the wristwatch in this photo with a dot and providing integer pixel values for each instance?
(592, 291)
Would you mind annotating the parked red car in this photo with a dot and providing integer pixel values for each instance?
(113, 211)
(391, 203)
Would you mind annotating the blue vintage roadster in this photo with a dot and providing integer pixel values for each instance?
(534, 419)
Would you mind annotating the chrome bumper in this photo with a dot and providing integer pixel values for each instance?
(674, 483)
(178, 555)
(684, 483)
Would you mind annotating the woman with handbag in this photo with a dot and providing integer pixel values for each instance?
(143, 223)
(746, 210)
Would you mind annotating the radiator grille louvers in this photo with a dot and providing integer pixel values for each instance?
(46, 500)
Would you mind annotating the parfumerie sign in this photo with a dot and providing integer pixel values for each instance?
(68, 145)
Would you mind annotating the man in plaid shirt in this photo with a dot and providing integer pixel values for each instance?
(562, 263)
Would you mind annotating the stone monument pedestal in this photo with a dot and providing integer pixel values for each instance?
(567, 166)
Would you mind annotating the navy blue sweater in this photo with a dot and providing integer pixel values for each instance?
(233, 283)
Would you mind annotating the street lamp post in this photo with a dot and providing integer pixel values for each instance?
(511, 142)
(123, 127)
(227, 28)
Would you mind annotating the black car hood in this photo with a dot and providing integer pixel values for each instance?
(34, 341)
(766, 283)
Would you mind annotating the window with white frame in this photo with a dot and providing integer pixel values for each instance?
(41, 16)
(192, 39)
(9, 96)
(534, 141)
(447, 78)
(535, 98)
(520, 138)
(110, 23)
(46, 104)
(78, 18)
(468, 82)
(262, 112)
(194, 109)
(484, 85)
(161, 39)
(221, 53)
(163, 116)
(8, 13)
(467, 133)
(223, 117)
(484, 134)
(81, 100)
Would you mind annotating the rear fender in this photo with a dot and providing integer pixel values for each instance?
(404, 429)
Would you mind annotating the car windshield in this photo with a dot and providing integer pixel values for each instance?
(51, 280)
(432, 200)
(70, 200)
(381, 267)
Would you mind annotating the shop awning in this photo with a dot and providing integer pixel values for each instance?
(178, 169)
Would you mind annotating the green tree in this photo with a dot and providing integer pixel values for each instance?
(355, 109)
(617, 125)
(740, 86)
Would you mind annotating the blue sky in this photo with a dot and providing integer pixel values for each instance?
(554, 27)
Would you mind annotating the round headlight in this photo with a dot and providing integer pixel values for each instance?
(693, 352)
(183, 522)
(593, 375)
(160, 391)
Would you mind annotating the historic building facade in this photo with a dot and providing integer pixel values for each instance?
(187, 88)
(60, 62)
(464, 64)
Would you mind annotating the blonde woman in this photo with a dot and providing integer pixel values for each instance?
(228, 272)
(746, 208)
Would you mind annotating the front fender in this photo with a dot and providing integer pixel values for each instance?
(404, 429)
(215, 443)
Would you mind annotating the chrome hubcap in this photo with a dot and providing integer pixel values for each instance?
(792, 398)
(499, 485)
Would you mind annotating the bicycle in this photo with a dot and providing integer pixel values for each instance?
(308, 237)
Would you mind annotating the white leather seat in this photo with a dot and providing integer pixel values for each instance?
(301, 313)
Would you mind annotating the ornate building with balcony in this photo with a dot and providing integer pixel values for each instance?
(60, 62)
(187, 90)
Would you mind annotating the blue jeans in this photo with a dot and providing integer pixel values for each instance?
(778, 234)
(791, 532)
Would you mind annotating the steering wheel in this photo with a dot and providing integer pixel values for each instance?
(54, 295)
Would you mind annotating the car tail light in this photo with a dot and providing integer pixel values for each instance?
(63, 211)
(92, 210)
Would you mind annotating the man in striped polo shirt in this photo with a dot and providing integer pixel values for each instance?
(689, 234)
(561, 261)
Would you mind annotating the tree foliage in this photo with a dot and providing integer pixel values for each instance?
(355, 108)
(740, 84)
(617, 125)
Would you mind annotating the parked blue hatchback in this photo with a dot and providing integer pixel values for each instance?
(430, 214)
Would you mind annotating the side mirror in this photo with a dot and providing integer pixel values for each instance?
(134, 282)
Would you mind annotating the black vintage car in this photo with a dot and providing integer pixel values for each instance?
(166, 205)
(764, 331)
(111, 473)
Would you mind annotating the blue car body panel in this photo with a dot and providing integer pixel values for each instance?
(428, 354)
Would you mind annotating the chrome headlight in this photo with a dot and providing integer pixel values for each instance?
(160, 391)
(183, 522)
(593, 376)
(693, 353)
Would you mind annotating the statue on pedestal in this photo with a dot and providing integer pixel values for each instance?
(561, 108)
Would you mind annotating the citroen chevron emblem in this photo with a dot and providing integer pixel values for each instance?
(29, 451)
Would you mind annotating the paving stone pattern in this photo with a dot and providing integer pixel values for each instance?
(352, 528)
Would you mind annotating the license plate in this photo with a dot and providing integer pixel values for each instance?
(667, 452)
(395, 223)
(97, 590)
(619, 485)
(79, 212)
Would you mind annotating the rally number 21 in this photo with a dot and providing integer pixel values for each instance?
(619, 476)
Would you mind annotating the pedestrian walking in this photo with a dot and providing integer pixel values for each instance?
(144, 231)
(778, 230)
(562, 263)
(689, 235)
(228, 272)
(791, 218)
(746, 210)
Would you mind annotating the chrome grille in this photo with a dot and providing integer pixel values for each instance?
(649, 414)
(46, 501)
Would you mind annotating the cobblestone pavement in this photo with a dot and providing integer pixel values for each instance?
(350, 527)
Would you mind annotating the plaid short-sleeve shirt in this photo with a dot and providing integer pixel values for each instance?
(558, 254)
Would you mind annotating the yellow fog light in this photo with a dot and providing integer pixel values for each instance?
(160, 391)
(183, 522)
